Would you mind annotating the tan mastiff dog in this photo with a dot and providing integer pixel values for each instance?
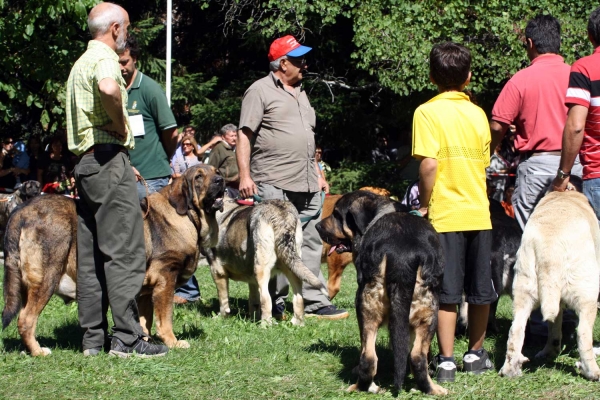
(40, 252)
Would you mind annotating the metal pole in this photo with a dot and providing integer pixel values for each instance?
(169, 23)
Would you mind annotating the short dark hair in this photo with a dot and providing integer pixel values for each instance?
(449, 65)
(544, 32)
(594, 26)
(133, 47)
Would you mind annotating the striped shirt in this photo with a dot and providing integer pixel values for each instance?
(85, 113)
(584, 90)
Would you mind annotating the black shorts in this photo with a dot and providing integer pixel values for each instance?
(468, 267)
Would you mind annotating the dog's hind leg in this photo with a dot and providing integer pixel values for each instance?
(253, 301)
(145, 309)
(523, 303)
(585, 329)
(552, 347)
(35, 299)
(298, 301)
(264, 262)
(162, 298)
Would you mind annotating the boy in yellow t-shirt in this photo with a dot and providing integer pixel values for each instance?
(451, 137)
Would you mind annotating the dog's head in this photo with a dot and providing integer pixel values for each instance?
(350, 218)
(29, 189)
(199, 188)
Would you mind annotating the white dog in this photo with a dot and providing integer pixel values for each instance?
(558, 265)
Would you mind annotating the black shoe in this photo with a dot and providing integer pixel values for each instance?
(328, 312)
(445, 370)
(139, 348)
(477, 362)
(278, 311)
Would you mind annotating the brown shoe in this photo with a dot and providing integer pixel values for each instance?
(179, 300)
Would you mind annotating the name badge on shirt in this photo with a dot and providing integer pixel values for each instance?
(137, 125)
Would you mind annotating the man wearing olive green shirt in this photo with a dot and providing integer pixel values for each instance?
(111, 259)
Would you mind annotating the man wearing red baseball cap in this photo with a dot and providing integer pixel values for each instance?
(281, 165)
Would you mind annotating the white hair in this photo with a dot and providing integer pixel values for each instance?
(100, 22)
(275, 64)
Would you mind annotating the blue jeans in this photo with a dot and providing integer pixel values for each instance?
(591, 189)
(190, 291)
(154, 185)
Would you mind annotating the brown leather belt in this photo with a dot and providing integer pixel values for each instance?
(106, 148)
(542, 153)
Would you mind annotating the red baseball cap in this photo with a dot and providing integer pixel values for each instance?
(287, 45)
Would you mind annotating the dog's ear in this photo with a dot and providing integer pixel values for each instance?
(179, 195)
(360, 214)
(144, 204)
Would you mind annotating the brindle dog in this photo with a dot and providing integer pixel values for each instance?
(40, 252)
(399, 267)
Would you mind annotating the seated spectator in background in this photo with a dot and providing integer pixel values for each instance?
(34, 151)
(383, 151)
(7, 173)
(324, 168)
(50, 166)
(20, 162)
(189, 292)
(497, 175)
(222, 157)
(188, 157)
(507, 203)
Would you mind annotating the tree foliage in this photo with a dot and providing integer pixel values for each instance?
(367, 73)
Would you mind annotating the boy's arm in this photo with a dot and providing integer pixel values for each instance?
(427, 175)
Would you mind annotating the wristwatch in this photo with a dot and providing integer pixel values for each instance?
(562, 174)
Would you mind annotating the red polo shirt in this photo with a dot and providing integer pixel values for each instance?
(584, 90)
(534, 100)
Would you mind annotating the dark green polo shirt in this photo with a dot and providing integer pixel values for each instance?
(148, 99)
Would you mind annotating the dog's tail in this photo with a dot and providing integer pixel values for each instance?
(12, 269)
(288, 241)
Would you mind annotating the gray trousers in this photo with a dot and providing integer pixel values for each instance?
(307, 205)
(111, 255)
(534, 177)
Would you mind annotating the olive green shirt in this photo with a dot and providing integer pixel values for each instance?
(85, 113)
(222, 157)
(283, 124)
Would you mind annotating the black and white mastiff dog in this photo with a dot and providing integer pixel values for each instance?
(255, 243)
(40, 252)
(399, 267)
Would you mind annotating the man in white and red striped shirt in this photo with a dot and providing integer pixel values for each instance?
(582, 129)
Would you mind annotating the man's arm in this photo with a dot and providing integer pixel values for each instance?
(110, 96)
(427, 175)
(213, 141)
(498, 130)
(571, 143)
(169, 141)
(323, 185)
(242, 154)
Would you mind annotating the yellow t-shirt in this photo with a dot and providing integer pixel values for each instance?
(455, 132)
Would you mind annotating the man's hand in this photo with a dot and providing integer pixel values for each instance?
(323, 185)
(559, 184)
(424, 211)
(138, 176)
(247, 188)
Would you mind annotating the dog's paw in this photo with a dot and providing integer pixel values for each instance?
(297, 321)
(352, 388)
(182, 344)
(373, 388)
(437, 390)
(510, 371)
(44, 351)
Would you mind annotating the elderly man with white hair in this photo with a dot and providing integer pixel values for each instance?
(111, 259)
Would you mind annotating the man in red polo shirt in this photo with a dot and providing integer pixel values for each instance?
(533, 99)
(581, 134)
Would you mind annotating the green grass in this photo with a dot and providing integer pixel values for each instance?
(235, 358)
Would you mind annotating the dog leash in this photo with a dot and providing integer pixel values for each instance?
(303, 220)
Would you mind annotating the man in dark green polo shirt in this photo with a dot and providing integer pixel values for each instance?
(149, 114)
